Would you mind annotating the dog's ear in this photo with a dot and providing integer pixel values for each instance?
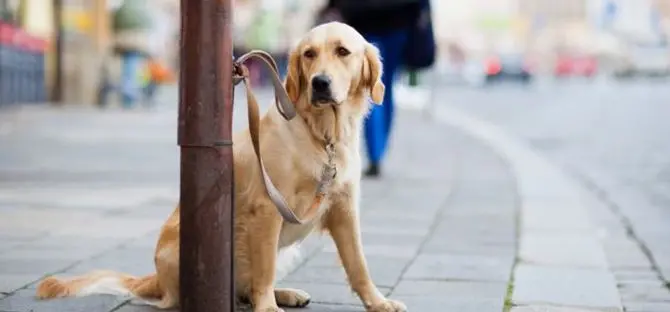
(372, 73)
(293, 79)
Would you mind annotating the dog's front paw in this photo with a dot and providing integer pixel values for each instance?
(293, 298)
(388, 305)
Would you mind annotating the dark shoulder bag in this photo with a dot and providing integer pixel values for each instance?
(420, 49)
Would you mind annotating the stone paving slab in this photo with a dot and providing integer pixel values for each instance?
(648, 307)
(549, 249)
(454, 289)
(447, 304)
(565, 286)
(544, 308)
(460, 267)
(384, 274)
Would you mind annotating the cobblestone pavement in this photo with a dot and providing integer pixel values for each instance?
(612, 137)
(460, 222)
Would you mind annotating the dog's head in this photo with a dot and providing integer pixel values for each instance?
(332, 63)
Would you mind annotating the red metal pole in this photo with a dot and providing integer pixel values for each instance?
(205, 126)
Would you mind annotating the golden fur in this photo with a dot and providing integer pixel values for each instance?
(299, 146)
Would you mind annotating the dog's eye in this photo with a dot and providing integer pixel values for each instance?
(342, 51)
(309, 54)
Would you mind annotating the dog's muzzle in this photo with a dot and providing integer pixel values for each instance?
(321, 92)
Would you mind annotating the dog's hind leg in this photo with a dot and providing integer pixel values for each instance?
(263, 234)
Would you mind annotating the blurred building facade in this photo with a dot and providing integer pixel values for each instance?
(88, 41)
(87, 38)
(546, 28)
(272, 25)
(547, 11)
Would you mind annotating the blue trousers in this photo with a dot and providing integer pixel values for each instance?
(380, 120)
(131, 90)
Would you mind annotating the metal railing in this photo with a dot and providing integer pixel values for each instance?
(22, 67)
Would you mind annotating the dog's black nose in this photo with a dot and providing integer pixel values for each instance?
(321, 83)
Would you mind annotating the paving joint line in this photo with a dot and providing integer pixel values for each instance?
(120, 305)
(508, 303)
(614, 208)
(455, 172)
(518, 219)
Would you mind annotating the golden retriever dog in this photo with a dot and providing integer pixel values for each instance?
(331, 74)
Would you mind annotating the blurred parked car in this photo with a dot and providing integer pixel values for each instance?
(514, 67)
(646, 60)
(571, 65)
(469, 72)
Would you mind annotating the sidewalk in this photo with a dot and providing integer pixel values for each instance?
(89, 190)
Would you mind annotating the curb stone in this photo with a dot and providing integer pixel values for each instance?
(541, 183)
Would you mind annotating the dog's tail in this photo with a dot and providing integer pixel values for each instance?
(101, 282)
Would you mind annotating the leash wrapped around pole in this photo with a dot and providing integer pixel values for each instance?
(287, 110)
(241, 74)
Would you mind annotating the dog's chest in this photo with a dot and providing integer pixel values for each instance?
(295, 233)
(347, 160)
(347, 163)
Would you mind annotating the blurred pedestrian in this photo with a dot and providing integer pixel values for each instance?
(329, 13)
(131, 26)
(391, 26)
(157, 74)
